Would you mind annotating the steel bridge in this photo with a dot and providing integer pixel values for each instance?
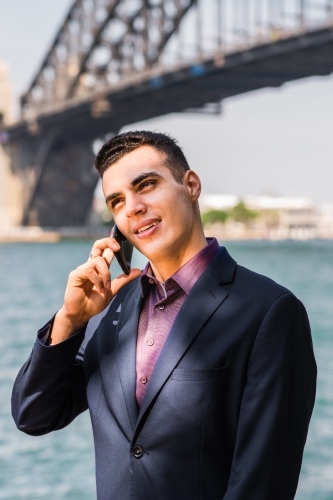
(116, 62)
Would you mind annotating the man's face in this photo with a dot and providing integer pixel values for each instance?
(149, 206)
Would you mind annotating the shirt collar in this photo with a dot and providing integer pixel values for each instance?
(188, 274)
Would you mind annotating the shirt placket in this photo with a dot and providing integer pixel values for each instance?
(157, 327)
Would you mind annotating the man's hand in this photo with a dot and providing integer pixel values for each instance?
(89, 290)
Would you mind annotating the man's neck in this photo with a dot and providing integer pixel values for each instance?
(166, 267)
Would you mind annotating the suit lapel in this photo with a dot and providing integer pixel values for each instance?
(126, 350)
(205, 297)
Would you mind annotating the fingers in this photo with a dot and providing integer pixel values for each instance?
(108, 255)
(97, 272)
(96, 269)
(123, 279)
(102, 247)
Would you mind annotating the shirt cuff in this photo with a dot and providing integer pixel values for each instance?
(44, 333)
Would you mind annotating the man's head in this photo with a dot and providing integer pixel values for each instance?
(122, 144)
(153, 196)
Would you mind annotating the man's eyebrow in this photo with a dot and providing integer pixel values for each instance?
(144, 176)
(134, 183)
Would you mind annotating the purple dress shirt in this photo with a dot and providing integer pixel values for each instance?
(161, 304)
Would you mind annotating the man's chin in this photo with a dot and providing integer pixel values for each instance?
(152, 250)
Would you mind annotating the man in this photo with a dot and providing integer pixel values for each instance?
(199, 374)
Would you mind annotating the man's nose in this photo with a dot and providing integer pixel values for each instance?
(134, 206)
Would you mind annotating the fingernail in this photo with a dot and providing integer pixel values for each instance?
(108, 284)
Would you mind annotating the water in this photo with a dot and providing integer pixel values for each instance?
(61, 465)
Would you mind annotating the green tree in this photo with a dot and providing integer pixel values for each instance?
(240, 213)
(213, 216)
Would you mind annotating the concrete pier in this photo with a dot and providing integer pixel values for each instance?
(10, 187)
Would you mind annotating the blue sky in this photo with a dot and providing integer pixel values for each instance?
(275, 141)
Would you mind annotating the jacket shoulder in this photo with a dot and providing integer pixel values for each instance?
(241, 279)
(258, 281)
(258, 292)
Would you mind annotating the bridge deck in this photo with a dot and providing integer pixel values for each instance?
(192, 86)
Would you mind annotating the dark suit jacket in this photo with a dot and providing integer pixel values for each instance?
(226, 411)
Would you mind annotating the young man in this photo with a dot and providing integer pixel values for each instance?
(198, 373)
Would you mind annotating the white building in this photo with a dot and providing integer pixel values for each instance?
(280, 218)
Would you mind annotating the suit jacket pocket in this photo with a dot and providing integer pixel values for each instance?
(199, 375)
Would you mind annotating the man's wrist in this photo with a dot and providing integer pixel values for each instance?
(64, 326)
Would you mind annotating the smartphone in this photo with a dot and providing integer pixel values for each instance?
(124, 256)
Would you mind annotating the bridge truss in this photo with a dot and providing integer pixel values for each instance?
(115, 62)
(103, 43)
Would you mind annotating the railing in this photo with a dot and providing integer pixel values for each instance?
(224, 26)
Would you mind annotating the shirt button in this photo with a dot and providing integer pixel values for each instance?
(162, 306)
(143, 380)
(151, 281)
(150, 342)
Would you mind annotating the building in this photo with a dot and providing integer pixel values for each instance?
(278, 218)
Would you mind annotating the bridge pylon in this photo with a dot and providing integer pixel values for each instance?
(60, 166)
(10, 187)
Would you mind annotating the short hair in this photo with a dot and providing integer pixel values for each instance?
(125, 143)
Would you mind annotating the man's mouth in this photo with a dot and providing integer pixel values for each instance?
(145, 228)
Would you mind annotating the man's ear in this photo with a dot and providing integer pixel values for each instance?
(192, 181)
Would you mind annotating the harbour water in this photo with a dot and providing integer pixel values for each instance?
(61, 465)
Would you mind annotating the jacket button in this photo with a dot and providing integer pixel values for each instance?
(137, 452)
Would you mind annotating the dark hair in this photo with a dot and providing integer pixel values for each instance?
(125, 143)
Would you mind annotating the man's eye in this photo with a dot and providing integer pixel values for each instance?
(115, 202)
(146, 184)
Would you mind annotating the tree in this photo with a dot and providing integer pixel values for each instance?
(213, 216)
(240, 213)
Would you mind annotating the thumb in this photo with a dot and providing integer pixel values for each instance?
(123, 279)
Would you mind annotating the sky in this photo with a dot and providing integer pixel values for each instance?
(272, 141)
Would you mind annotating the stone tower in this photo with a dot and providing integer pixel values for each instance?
(10, 189)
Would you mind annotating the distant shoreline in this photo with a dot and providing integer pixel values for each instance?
(91, 233)
(52, 235)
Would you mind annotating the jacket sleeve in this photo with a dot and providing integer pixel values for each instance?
(276, 406)
(49, 391)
